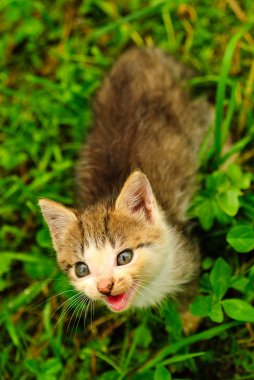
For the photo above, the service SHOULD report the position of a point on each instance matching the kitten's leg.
(190, 322)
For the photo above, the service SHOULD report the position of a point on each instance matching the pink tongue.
(117, 302)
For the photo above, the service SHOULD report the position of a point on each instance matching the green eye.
(124, 257)
(81, 269)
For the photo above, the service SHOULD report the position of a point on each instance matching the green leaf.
(105, 357)
(241, 238)
(43, 238)
(239, 283)
(216, 315)
(161, 373)
(3, 284)
(146, 337)
(43, 269)
(222, 217)
(172, 319)
(201, 306)
(234, 172)
(181, 358)
(205, 213)
(140, 333)
(23, 298)
(217, 182)
(230, 112)
(236, 148)
(51, 366)
(12, 330)
(207, 263)
(229, 201)
(33, 366)
(148, 375)
(187, 341)
(109, 375)
(220, 277)
(5, 263)
(239, 310)
(246, 181)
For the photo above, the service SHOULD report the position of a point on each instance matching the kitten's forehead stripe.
(101, 224)
(96, 224)
(82, 237)
(108, 234)
(106, 221)
(142, 245)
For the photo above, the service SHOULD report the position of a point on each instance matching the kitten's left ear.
(58, 218)
(136, 197)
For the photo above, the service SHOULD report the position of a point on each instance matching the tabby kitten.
(126, 245)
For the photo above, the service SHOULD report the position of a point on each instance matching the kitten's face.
(112, 260)
(113, 253)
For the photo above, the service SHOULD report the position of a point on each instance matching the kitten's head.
(118, 252)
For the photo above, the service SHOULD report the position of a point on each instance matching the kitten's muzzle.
(105, 287)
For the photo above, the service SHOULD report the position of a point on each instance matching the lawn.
(53, 56)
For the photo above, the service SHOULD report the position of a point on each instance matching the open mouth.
(120, 301)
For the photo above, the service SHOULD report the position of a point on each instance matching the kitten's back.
(144, 119)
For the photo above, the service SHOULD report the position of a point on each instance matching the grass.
(53, 56)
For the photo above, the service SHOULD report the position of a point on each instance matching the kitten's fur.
(135, 179)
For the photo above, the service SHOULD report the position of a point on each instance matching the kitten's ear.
(58, 218)
(137, 197)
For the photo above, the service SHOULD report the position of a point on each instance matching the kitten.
(126, 245)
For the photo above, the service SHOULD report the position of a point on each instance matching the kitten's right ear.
(136, 197)
(58, 218)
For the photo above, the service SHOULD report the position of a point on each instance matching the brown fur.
(143, 119)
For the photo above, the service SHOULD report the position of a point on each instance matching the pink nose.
(105, 287)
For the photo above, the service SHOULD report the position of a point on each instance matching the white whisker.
(63, 304)
(72, 304)
(48, 299)
(78, 300)
(80, 314)
(86, 311)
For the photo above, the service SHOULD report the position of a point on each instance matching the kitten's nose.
(105, 287)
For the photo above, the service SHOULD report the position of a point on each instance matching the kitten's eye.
(81, 270)
(124, 257)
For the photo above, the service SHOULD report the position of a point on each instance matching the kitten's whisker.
(80, 314)
(72, 303)
(140, 285)
(48, 299)
(144, 281)
(80, 298)
(86, 311)
(145, 276)
(137, 290)
(63, 304)
(73, 326)
(145, 288)
(69, 307)
(91, 314)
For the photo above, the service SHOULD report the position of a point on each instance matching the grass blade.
(168, 350)
(221, 89)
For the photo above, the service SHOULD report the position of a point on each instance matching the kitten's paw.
(190, 322)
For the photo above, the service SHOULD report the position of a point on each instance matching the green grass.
(53, 56)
